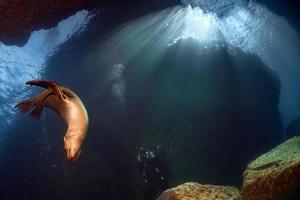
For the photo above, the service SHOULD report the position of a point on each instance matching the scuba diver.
(152, 167)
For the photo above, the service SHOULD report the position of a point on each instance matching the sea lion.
(68, 105)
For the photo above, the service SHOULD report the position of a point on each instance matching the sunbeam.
(246, 25)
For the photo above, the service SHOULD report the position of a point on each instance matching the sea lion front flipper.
(50, 85)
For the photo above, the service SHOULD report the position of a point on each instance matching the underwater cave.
(213, 83)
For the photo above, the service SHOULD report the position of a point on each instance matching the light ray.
(246, 25)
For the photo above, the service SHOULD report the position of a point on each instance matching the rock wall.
(274, 175)
(196, 191)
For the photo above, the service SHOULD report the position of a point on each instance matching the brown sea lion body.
(68, 105)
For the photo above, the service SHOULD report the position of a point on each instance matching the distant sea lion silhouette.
(68, 105)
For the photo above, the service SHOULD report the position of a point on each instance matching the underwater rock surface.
(274, 175)
(196, 191)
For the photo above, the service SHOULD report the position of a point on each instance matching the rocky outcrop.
(274, 175)
(19, 18)
(196, 191)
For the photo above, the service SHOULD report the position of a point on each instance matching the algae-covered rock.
(274, 175)
(196, 191)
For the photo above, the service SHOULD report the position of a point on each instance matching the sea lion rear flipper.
(25, 106)
(36, 113)
(50, 85)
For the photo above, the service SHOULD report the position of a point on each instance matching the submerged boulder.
(274, 175)
(196, 191)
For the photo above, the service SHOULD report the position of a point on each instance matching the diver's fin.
(36, 113)
(50, 85)
(25, 106)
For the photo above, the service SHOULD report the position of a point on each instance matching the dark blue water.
(212, 109)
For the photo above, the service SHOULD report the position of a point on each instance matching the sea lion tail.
(25, 106)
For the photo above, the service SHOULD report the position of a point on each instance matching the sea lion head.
(72, 146)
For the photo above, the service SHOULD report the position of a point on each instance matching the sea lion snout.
(72, 155)
(72, 147)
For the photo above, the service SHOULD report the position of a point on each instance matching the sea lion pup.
(68, 105)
